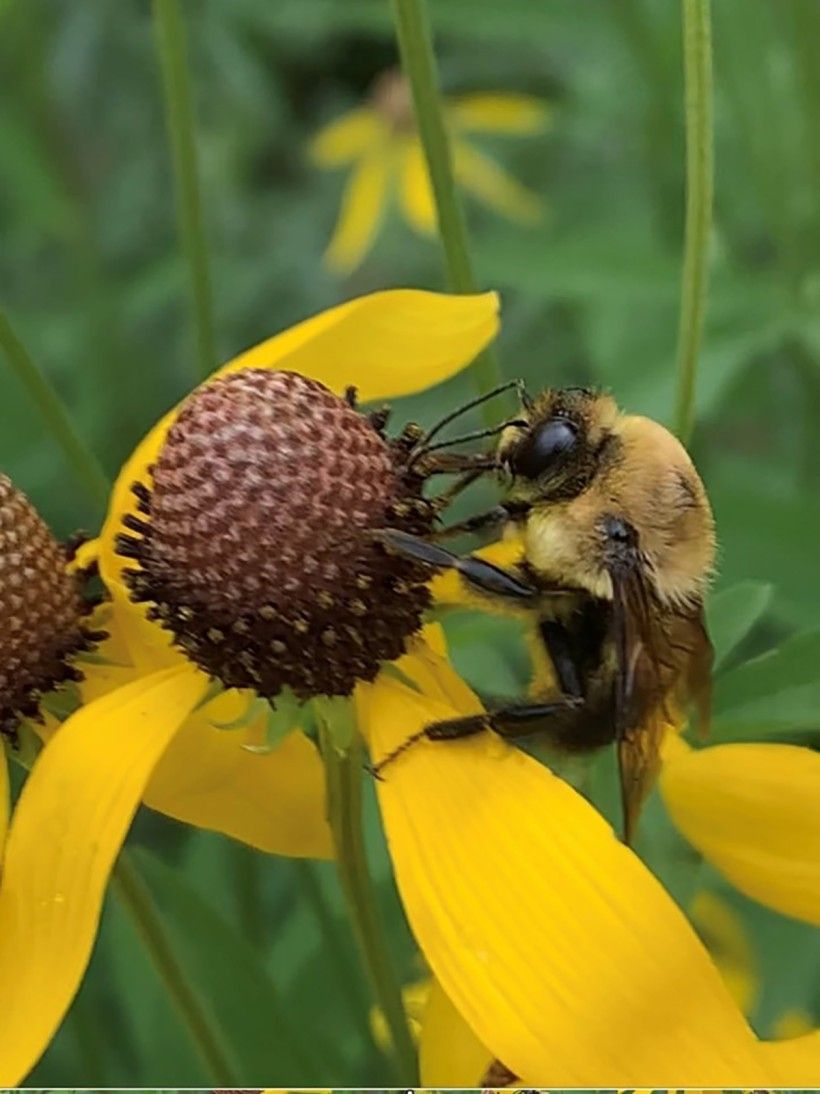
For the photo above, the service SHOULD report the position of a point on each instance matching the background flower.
(380, 146)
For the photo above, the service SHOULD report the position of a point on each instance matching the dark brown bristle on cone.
(41, 610)
(254, 545)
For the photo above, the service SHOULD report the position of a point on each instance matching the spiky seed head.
(256, 543)
(41, 610)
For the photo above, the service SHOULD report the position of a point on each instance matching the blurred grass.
(95, 285)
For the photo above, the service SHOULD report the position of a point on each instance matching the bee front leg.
(483, 575)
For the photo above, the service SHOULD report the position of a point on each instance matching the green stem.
(344, 772)
(83, 462)
(170, 31)
(419, 64)
(697, 49)
(138, 902)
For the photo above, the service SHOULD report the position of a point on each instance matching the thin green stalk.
(138, 902)
(344, 773)
(79, 457)
(697, 51)
(170, 31)
(419, 64)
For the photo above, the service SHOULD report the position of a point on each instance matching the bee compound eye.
(542, 446)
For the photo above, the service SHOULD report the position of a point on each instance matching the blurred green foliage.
(93, 277)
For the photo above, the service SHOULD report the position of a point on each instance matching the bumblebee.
(619, 545)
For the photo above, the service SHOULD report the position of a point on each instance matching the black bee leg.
(555, 638)
(516, 720)
(483, 575)
(492, 518)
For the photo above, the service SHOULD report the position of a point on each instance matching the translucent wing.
(663, 660)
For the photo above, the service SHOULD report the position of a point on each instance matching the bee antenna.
(451, 417)
(476, 435)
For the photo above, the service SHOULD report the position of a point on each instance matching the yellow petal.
(795, 1062)
(751, 810)
(494, 187)
(724, 934)
(450, 1054)
(346, 138)
(499, 112)
(363, 205)
(274, 802)
(416, 191)
(68, 827)
(86, 555)
(563, 953)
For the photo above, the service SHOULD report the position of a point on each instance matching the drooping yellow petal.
(416, 191)
(564, 954)
(346, 138)
(752, 811)
(724, 934)
(274, 802)
(67, 830)
(363, 205)
(493, 186)
(450, 1054)
(499, 112)
(795, 1062)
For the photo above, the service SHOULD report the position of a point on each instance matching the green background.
(95, 283)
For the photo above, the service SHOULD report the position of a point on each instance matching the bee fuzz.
(256, 536)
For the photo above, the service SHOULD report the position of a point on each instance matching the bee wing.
(639, 698)
(664, 661)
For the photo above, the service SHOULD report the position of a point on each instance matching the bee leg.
(555, 638)
(515, 720)
(483, 575)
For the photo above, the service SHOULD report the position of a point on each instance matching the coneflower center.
(41, 611)
(255, 543)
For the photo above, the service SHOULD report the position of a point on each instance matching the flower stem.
(344, 772)
(138, 902)
(80, 458)
(697, 52)
(419, 63)
(170, 31)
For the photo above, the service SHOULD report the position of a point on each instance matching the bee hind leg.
(515, 720)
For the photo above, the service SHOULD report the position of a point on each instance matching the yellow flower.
(558, 951)
(379, 144)
(147, 735)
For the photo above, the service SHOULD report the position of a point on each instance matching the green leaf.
(733, 612)
(229, 973)
(777, 693)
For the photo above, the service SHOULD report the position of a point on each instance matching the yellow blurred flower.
(379, 145)
(147, 730)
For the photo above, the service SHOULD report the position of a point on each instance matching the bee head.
(556, 453)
